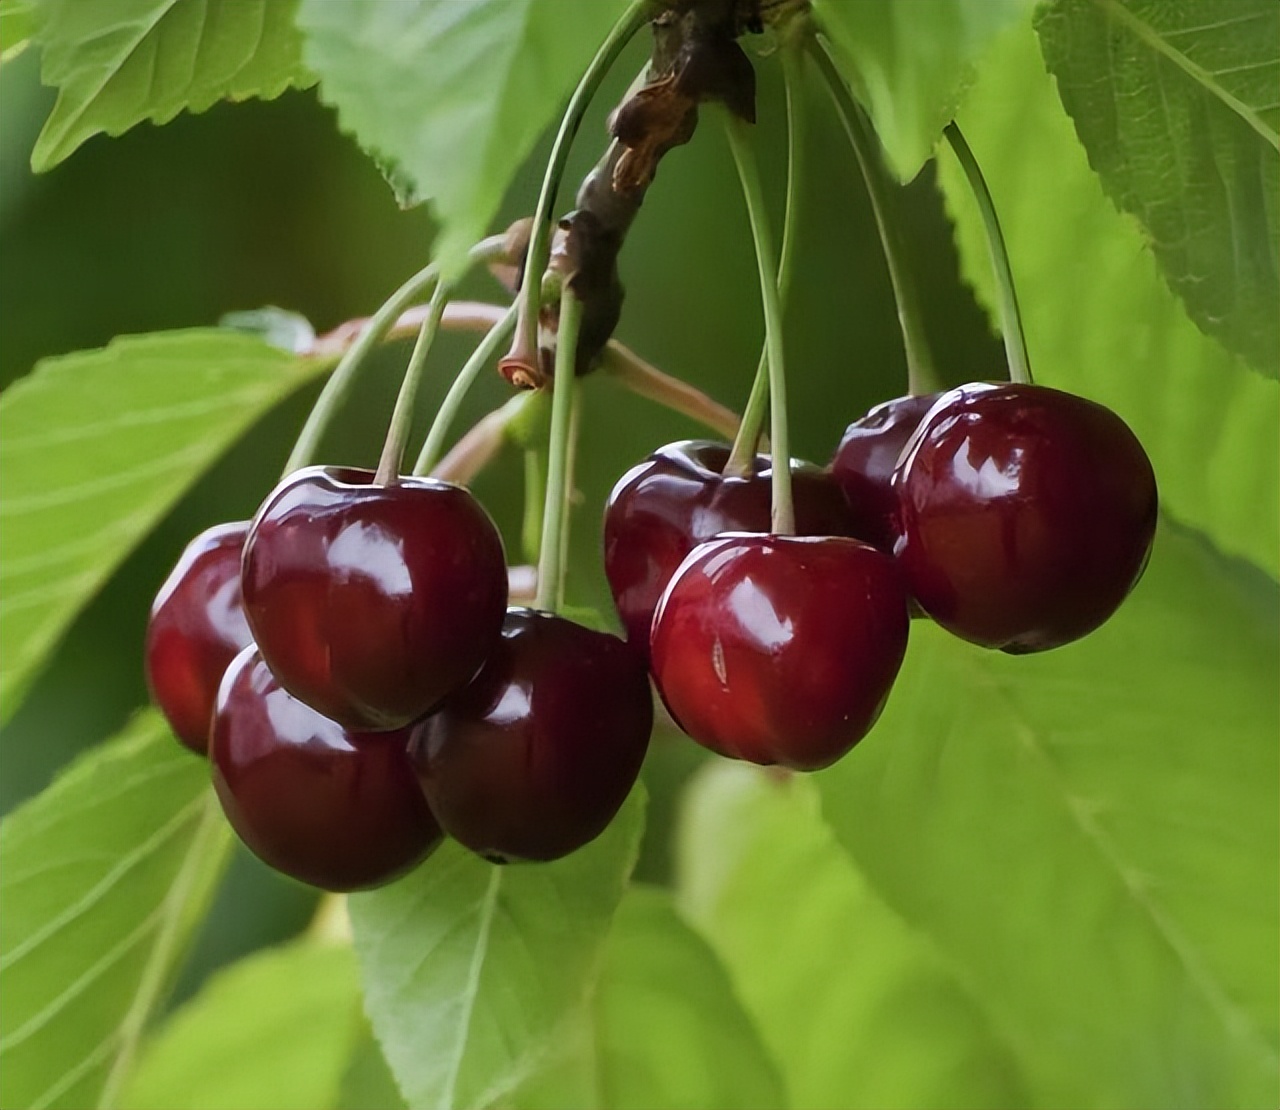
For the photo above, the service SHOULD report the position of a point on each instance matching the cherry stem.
(480, 358)
(645, 380)
(1015, 340)
(922, 377)
(559, 479)
(402, 415)
(747, 440)
(525, 347)
(338, 388)
(783, 519)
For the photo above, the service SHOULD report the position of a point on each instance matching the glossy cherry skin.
(336, 809)
(197, 626)
(665, 506)
(1027, 515)
(780, 649)
(864, 462)
(371, 603)
(534, 757)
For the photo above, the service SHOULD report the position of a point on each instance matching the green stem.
(402, 416)
(525, 348)
(570, 467)
(783, 521)
(921, 374)
(480, 357)
(747, 440)
(338, 388)
(551, 557)
(1015, 340)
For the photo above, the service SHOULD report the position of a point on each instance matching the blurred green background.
(267, 203)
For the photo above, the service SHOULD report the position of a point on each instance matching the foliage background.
(1031, 862)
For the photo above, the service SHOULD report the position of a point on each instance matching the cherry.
(197, 626)
(336, 809)
(534, 757)
(780, 649)
(864, 462)
(371, 603)
(665, 506)
(1027, 515)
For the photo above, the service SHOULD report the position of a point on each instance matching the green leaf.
(471, 969)
(116, 63)
(274, 1032)
(453, 96)
(909, 63)
(368, 1083)
(1091, 837)
(103, 879)
(663, 1027)
(96, 447)
(858, 1008)
(16, 24)
(1100, 321)
(1177, 107)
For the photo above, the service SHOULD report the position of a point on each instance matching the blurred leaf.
(909, 62)
(663, 1027)
(1091, 837)
(273, 1031)
(471, 969)
(16, 23)
(858, 1008)
(368, 1083)
(96, 447)
(1177, 107)
(116, 63)
(278, 327)
(1101, 322)
(103, 879)
(452, 96)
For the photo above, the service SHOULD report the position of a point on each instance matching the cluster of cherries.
(349, 663)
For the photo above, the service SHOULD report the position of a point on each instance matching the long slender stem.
(525, 347)
(922, 377)
(485, 350)
(551, 557)
(1015, 340)
(338, 388)
(570, 468)
(402, 414)
(747, 441)
(783, 521)
(645, 380)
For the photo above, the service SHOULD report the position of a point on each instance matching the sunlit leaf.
(95, 447)
(470, 969)
(103, 878)
(857, 1007)
(1177, 107)
(1091, 836)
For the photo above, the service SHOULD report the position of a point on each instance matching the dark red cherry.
(780, 649)
(336, 809)
(371, 603)
(197, 626)
(864, 462)
(665, 506)
(534, 757)
(1027, 515)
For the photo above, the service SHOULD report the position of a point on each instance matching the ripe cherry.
(1027, 515)
(780, 649)
(864, 462)
(336, 809)
(371, 603)
(534, 757)
(665, 506)
(197, 626)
